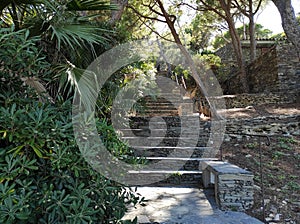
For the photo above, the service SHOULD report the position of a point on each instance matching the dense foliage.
(43, 176)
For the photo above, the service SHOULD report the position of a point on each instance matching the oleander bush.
(43, 176)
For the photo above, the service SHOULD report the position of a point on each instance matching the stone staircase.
(170, 137)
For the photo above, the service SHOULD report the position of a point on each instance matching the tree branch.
(169, 22)
(210, 8)
(152, 9)
(188, 5)
(239, 7)
(259, 4)
(157, 33)
(144, 16)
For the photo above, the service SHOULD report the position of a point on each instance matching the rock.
(271, 216)
(296, 203)
(277, 217)
(257, 188)
(143, 219)
(284, 202)
(227, 139)
(266, 201)
(268, 219)
(273, 210)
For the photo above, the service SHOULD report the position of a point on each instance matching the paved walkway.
(173, 205)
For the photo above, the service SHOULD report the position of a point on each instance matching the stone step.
(165, 178)
(168, 118)
(175, 101)
(163, 101)
(154, 114)
(164, 141)
(158, 104)
(163, 96)
(166, 123)
(171, 151)
(169, 101)
(162, 132)
(163, 93)
(167, 126)
(158, 111)
(180, 158)
(171, 163)
(160, 107)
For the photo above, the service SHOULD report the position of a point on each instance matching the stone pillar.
(233, 185)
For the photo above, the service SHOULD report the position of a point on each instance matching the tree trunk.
(290, 24)
(117, 14)
(187, 56)
(252, 33)
(236, 43)
(237, 47)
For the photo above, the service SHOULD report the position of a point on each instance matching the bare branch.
(215, 10)
(169, 22)
(157, 33)
(188, 5)
(144, 16)
(152, 9)
(258, 6)
(239, 7)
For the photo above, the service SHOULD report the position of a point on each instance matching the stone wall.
(227, 54)
(277, 69)
(288, 68)
(271, 125)
(263, 73)
(244, 100)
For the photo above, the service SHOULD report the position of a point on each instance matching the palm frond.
(82, 82)
(5, 3)
(74, 35)
(85, 5)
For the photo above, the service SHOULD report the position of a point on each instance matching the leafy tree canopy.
(243, 31)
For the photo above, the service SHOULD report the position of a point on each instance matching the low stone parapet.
(233, 185)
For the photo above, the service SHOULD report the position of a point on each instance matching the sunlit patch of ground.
(264, 110)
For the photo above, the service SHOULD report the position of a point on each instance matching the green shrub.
(20, 59)
(43, 177)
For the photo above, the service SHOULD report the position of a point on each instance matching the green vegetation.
(253, 145)
(45, 47)
(43, 176)
(243, 32)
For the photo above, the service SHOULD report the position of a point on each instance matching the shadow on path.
(182, 205)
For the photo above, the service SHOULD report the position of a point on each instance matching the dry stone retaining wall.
(271, 125)
(244, 100)
(276, 70)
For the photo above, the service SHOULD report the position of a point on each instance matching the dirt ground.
(262, 110)
(277, 187)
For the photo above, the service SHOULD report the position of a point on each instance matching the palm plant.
(69, 32)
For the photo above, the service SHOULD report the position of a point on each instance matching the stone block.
(233, 185)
